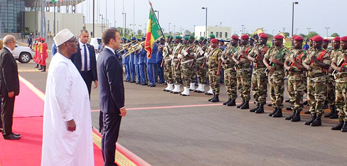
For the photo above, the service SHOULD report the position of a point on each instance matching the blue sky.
(272, 15)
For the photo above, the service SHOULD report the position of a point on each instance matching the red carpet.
(28, 104)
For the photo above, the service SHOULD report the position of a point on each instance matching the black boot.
(344, 127)
(246, 105)
(313, 117)
(317, 121)
(227, 101)
(273, 112)
(333, 113)
(289, 108)
(260, 109)
(287, 101)
(254, 109)
(231, 103)
(270, 105)
(278, 113)
(290, 117)
(37, 66)
(296, 117)
(212, 97)
(44, 69)
(305, 103)
(307, 112)
(216, 99)
(243, 102)
(40, 68)
(339, 126)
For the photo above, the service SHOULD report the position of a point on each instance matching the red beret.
(235, 37)
(336, 38)
(326, 40)
(317, 38)
(279, 37)
(298, 38)
(311, 39)
(294, 37)
(244, 37)
(344, 38)
(214, 40)
(42, 39)
(263, 35)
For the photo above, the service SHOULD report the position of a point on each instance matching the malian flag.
(154, 32)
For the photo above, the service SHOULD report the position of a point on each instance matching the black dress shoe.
(18, 135)
(12, 137)
(0, 129)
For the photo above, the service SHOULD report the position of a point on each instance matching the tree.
(187, 32)
(334, 35)
(139, 32)
(303, 35)
(287, 34)
(311, 34)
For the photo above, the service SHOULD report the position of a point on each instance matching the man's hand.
(218, 73)
(270, 68)
(71, 125)
(273, 60)
(96, 83)
(123, 111)
(10, 94)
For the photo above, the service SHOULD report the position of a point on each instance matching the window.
(226, 34)
(220, 34)
(216, 34)
(200, 33)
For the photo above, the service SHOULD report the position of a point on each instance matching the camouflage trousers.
(316, 94)
(201, 73)
(296, 89)
(331, 90)
(187, 74)
(276, 83)
(230, 82)
(259, 85)
(176, 73)
(341, 98)
(214, 80)
(244, 83)
(168, 71)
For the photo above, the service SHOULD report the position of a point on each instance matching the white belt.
(201, 58)
(187, 61)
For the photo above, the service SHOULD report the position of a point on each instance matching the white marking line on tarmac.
(33, 88)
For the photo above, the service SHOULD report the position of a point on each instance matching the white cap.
(62, 36)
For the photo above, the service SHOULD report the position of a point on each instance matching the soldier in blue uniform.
(151, 66)
(137, 63)
(159, 59)
(125, 62)
(142, 65)
(131, 62)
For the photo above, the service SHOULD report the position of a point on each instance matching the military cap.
(326, 40)
(212, 36)
(133, 38)
(191, 37)
(202, 38)
(143, 38)
(317, 38)
(196, 41)
(278, 37)
(298, 38)
(162, 39)
(244, 37)
(263, 35)
(221, 40)
(336, 38)
(178, 37)
(170, 37)
(235, 37)
(214, 40)
(344, 38)
(186, 37)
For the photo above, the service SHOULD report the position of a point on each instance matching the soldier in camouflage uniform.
(296, 82)
(274, 61)
(167, 51)
(317, 63)
(214, 66)
(186, 57)
(230, 79)
(201, 72)
(259, 78)
(194, 43)
(339, 64)
(176, 72)
(243, 71)
(331, 81)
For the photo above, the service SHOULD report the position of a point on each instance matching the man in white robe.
(67, 126)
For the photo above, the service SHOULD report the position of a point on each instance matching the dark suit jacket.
(77, 60)
(9, 81)
(110, 77)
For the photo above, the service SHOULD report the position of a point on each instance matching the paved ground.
(199, 133)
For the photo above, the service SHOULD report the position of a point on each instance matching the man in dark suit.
(85, 60)
(9, 86)
(111, 93)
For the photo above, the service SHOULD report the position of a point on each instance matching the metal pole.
(293, 18)
(206, 22)
(54, 20)
(93, 18)
(169, 28)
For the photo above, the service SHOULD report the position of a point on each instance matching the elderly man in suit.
(9, 86)
(111, 93)
(85, 61)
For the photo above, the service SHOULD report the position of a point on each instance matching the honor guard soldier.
(176, 72)
(186, 59)
(274, 62)
(201, 72)
(259, 78)
(243, 71)
(230, 79)
(167, 51)
(214, 66)
(296, 75)
(317, 63)
(339, 64)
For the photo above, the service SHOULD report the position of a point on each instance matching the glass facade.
(12, 15)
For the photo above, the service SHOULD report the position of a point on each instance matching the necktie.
(85, 59)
